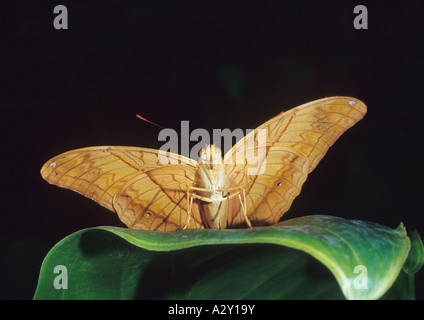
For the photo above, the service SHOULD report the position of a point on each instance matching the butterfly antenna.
(147, 120)
(160, 126)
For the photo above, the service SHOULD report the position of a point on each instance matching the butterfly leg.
(243, 205)
(189, 206)
(240, 193)
(190, 198)
(242, 201)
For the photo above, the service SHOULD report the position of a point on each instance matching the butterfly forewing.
(100, 173)
(304, 134)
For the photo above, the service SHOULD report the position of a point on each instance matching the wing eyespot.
(279, 184)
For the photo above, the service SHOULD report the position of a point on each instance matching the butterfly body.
(229, 191)
(214, 190)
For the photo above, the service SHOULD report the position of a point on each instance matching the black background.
(219, 64)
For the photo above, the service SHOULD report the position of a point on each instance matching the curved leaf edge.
(415, 260)
(148, 240)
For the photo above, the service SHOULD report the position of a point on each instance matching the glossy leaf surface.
(362, 260)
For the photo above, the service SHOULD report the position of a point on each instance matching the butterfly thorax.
(211, 173)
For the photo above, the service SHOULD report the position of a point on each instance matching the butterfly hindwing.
(157, 200)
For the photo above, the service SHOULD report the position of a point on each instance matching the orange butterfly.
(216, 192)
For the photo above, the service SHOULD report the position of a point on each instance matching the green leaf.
(415, 259)
(413, 264)
(282, 261)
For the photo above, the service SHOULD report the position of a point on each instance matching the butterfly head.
(210, 155)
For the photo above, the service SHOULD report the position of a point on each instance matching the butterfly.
(216, 192)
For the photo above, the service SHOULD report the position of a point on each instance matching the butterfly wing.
(157, 200)
(101, 173)
(285, 149)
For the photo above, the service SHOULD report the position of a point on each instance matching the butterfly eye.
(279, 184)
